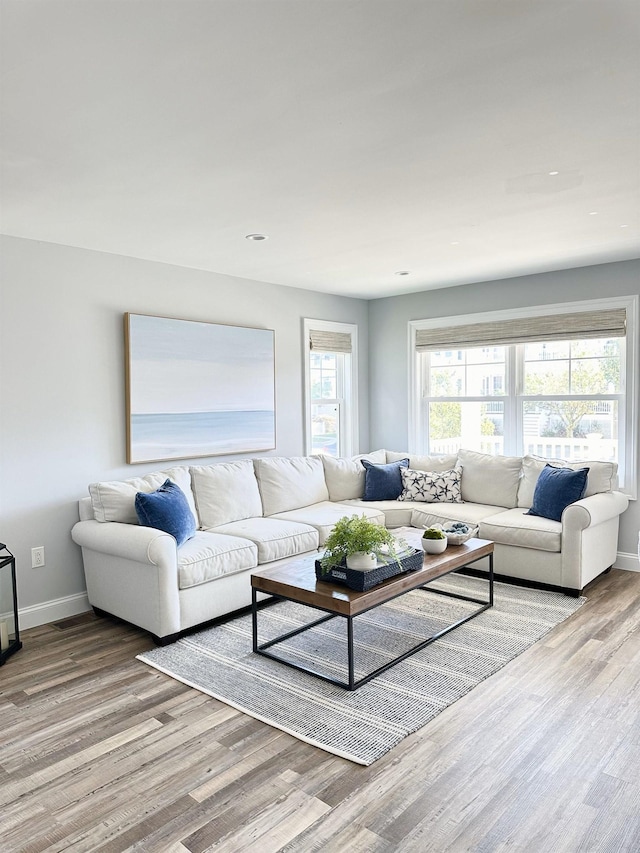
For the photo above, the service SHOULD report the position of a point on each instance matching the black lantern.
(9, 631)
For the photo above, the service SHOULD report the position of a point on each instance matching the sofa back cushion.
(226, 492)
(85, 510)
(491, 480)
(377, 456)
(425, 463)
(345, 477)
(115, 500)
(291, 482)
(602, 477)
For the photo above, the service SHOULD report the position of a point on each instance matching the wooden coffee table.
(297, 582)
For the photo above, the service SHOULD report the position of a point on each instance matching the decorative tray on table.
(364, 579)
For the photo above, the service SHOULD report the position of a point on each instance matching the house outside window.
(563, 398)
(462, 407)
(330, 388)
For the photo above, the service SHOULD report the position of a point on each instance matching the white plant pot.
(362, 560)
(434, 546)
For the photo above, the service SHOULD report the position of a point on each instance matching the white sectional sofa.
(273, 510)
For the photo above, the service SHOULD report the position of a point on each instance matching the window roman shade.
(553, 327)
(329, 341)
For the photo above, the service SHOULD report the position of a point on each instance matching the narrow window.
(330, 387)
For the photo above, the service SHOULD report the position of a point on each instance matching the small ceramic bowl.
(434, 546)
(456, 536)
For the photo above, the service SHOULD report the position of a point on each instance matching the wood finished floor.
(100, 752)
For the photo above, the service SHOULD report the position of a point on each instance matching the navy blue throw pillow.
(166, 509)
(556, 489)
(383, 482)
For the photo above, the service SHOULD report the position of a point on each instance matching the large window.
(330, 388)
(567, 397)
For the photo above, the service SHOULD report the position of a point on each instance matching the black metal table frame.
(352, 683)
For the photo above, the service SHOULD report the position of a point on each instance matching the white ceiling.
(364, 137)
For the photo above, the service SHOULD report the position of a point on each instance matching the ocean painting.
(197, 389)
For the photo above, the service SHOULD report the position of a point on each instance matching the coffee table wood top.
(297, 581)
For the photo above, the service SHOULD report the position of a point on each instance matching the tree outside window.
(581, 369)
(474, 378)
(569, 406)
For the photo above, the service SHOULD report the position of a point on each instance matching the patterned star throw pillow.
(430, 486)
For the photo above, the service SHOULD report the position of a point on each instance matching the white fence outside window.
(548, 448)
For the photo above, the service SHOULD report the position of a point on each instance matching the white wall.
(62, 420)
(388, 333)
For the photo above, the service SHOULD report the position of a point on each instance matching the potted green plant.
(357, 541)
(434, 540)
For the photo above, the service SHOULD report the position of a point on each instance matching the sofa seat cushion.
(469, 513)
(208, 556)
(396, 513)
(323, 516)
(274, 537)
(514, 527)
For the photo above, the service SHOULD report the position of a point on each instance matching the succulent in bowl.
(434, 533)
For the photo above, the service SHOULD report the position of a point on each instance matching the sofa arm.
(590, 537)
(131, 541)
(132, 572)
(593, 510)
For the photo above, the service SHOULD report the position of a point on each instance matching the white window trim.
(632, 369)
(349, 423)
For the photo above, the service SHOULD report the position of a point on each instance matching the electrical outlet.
(37, 557)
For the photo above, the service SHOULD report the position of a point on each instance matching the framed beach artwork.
(197, 389)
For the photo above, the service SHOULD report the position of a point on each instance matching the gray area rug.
(364, 724)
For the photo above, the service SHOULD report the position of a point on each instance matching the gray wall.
(62, 379)
(62, 419)
(388, 333)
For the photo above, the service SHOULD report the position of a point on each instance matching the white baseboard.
(628, 562)
(52, 611)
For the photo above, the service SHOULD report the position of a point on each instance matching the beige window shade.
(330, 341)
(586, 324)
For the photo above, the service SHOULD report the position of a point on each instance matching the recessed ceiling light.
(593, 213)
(403, 272)
(554, 173)
(624, 226)
(455, 242)
(257, 237)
